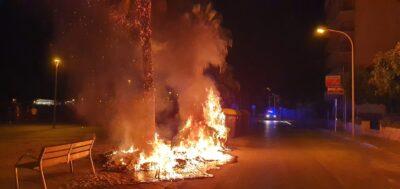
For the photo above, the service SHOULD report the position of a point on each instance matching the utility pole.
(336, 103)
(344, 102)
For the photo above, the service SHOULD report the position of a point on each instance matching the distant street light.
(322, 31)
(56, 62)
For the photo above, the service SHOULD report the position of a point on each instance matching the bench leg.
(43, 180)
(71, 166)
(91, 161)
(16, 178)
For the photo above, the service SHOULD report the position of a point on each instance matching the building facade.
(373, 24)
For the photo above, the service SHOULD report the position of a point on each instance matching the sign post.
(334, 88)
(335, 114)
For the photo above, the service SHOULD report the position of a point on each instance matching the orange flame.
(197, 152)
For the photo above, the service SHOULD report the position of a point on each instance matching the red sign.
(333, 85)
(333, 81)
(335, 91)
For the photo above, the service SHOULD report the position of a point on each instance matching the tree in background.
(365, 90)
(385, 77)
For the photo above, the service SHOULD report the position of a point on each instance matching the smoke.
(184, 46)
(104, 63)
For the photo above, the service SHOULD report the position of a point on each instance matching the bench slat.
(79, 155)
(57, 148)
(80, 149)
(54, 161)
(83, 143)
(49, 155)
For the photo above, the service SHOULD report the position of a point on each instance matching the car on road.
(271, 114)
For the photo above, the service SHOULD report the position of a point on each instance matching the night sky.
(26, 32)
(273, 46)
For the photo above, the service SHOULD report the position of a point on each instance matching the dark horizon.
(273, 46)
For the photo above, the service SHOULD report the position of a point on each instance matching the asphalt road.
(276, 156)
(280, 156)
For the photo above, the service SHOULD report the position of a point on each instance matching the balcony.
(348, 4)
(345, 20)
(334, 9)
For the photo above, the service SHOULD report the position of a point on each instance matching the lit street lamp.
(322, 31)
(56, 62)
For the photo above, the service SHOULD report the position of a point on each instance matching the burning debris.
(199, 147)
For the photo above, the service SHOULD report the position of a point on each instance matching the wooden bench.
(56, 155)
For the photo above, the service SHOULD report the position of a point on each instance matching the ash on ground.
(114, 173)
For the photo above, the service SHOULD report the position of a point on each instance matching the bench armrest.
(28, 155)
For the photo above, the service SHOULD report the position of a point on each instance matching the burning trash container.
(231, 120)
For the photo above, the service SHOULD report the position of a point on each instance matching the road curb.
(351, 139)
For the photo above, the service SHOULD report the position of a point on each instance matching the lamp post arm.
(345, 34)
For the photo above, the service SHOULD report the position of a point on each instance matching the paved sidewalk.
(382, 144)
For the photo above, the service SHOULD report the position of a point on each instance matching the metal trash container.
(231, 121)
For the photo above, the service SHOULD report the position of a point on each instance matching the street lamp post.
(321, 31)
(57, 62)
(269, 96)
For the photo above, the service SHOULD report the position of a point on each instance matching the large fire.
(199, 147)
